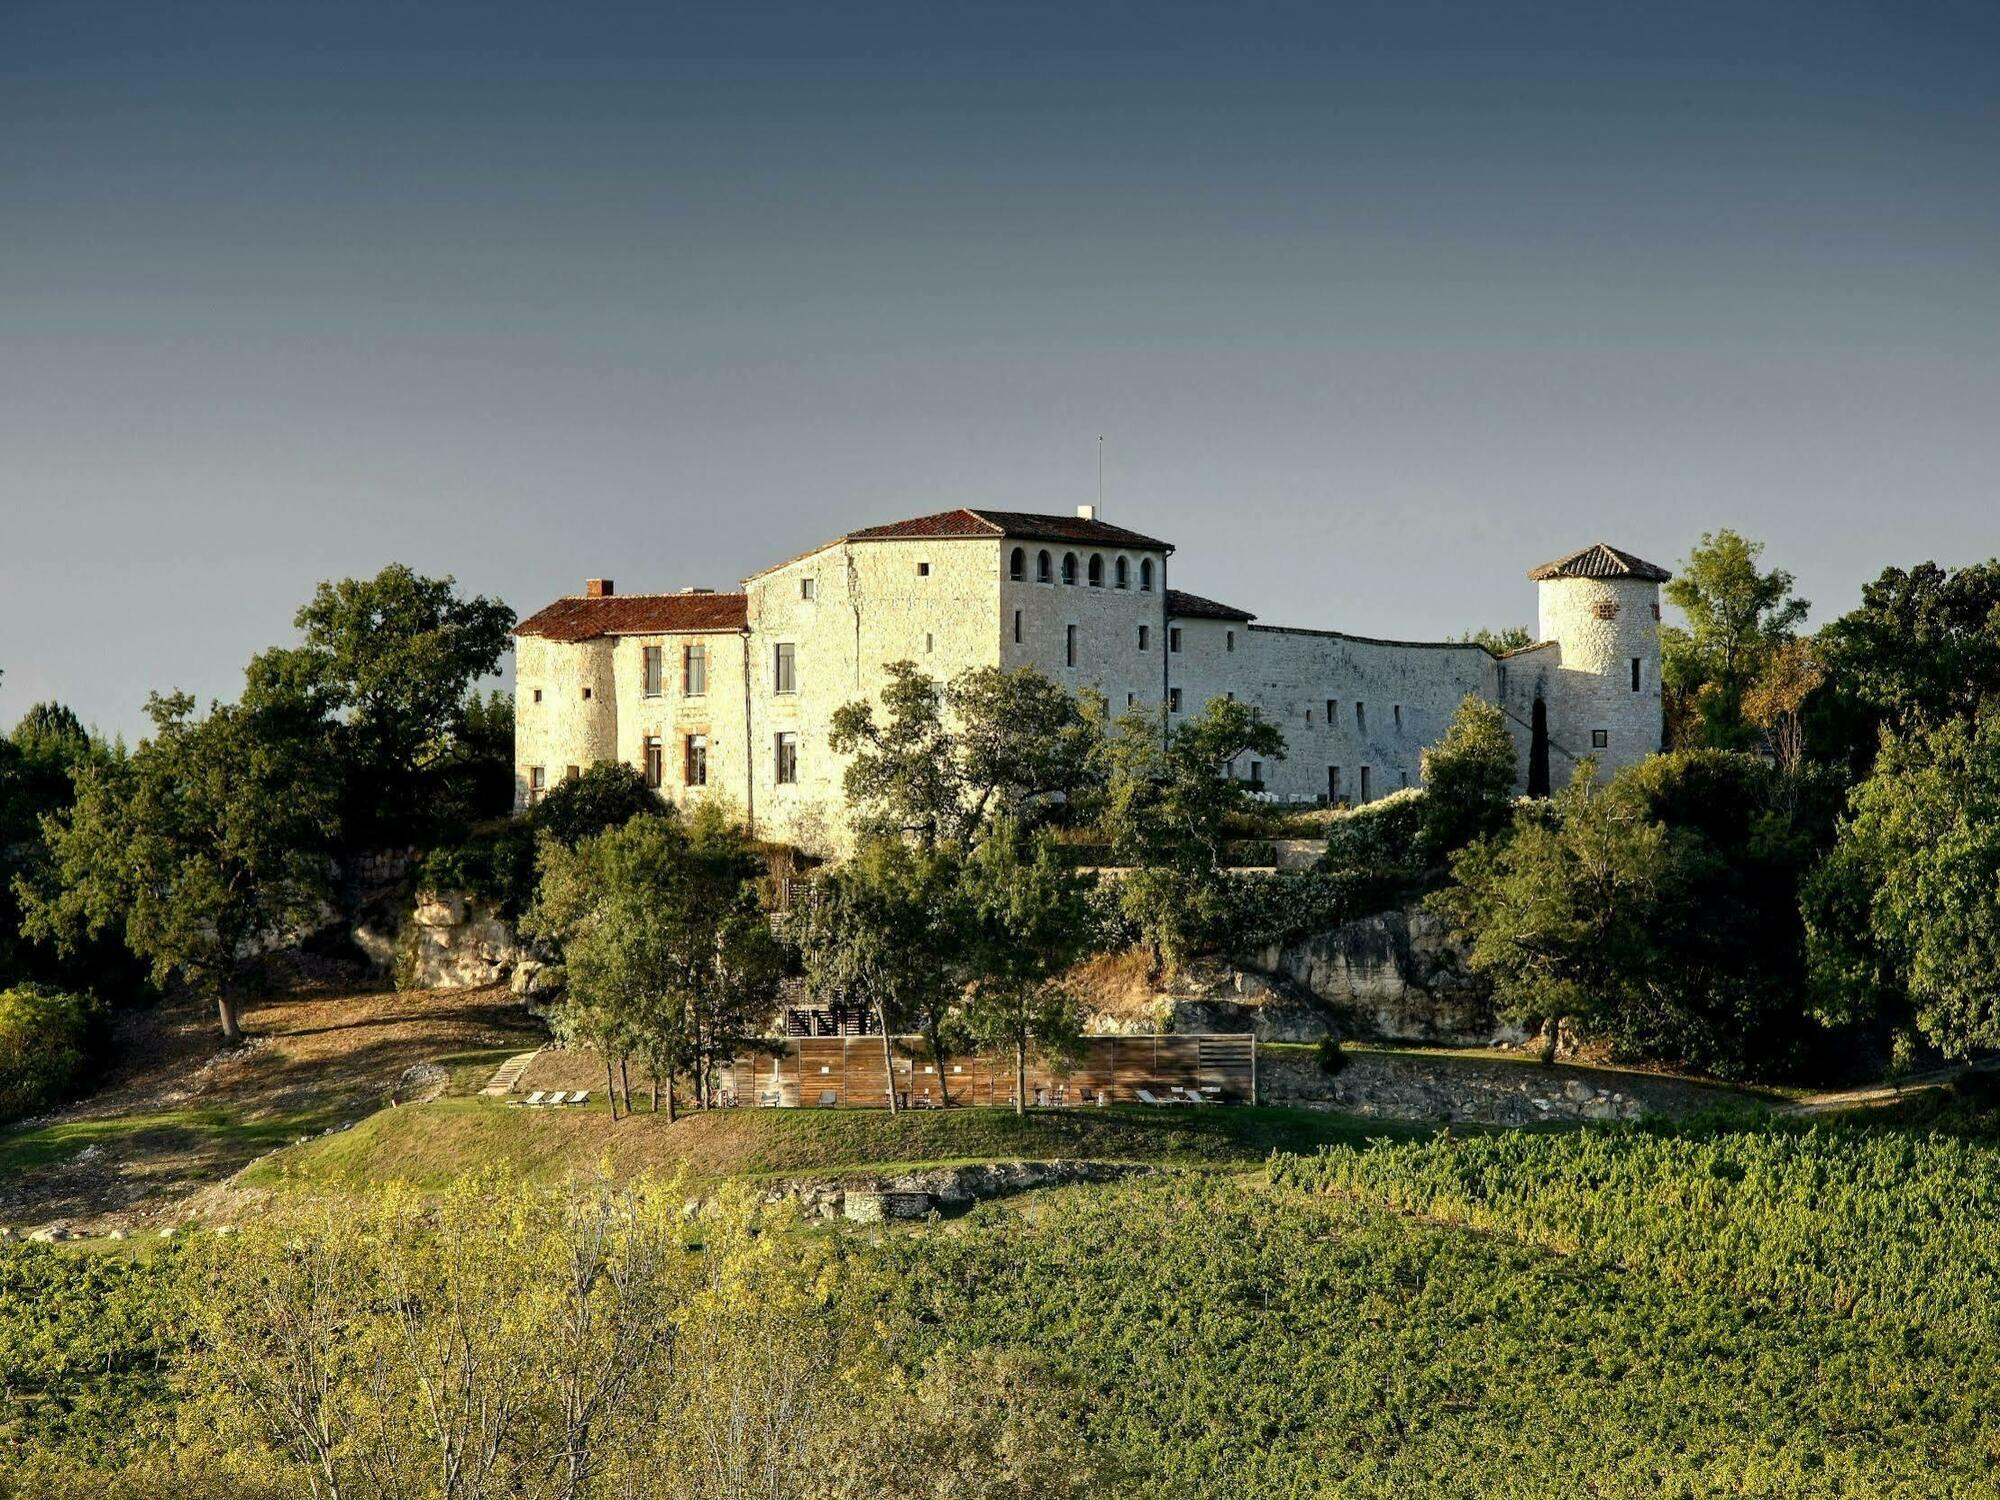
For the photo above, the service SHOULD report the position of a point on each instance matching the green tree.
(883, 934)
(206, 846)
(1468, 780)
(393, 658)
(38, 763)
(1166, 797)
(1500, 642)
(1556, 912)
(1922, 647)
(1909, 902)
(665, 952)
(1027, 926)
(1736, 615)
(1659, 912)
(941, 760)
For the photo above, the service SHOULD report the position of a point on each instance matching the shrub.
(1378, 838)
(47, 1038)
(1330, 1055)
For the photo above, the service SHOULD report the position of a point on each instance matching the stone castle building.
(732, 695)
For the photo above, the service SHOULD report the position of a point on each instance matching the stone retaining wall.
(1476, 1090)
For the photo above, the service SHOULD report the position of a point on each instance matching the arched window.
(1017, 565)
(1145, 575)
(1096, 571)
(1122, 571)
(1042, 574)
(1069, 568)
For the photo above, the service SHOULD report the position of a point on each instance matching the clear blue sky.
(1375, 305)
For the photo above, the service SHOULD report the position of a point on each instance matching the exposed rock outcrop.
(1396, 975)
(1393, 976)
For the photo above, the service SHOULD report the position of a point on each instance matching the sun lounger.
(536, 1097)
(1147, 1096)
(581, 1096)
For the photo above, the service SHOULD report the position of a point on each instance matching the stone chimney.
(1086, 513)
(598, 588)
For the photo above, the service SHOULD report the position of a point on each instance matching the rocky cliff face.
(1395, 976)
(447, 941)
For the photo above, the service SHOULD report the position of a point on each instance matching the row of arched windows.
(1045, 570)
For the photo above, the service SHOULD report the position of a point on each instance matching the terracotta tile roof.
(1181, 605)
(1599, 561)
(1026, 525)
(581, 619)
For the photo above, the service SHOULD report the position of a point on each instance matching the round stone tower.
(1601, 606)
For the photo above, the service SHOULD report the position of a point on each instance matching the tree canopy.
(1737, 614)
(202, 848)
(943, 759)
(393, 659)
(1905, 917)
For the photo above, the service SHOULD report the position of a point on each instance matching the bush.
(47, 1038)
(1377, 839)
(1330, 1055)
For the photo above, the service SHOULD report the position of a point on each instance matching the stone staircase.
(508, 1075)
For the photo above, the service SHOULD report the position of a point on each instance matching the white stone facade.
(1082, 601)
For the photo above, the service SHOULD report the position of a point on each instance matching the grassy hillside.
(428, 1144)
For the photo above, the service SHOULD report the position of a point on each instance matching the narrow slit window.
(1069, 645)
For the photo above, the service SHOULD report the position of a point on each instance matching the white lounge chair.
(581, 1096)
(1147, 1096)
(535, 1098)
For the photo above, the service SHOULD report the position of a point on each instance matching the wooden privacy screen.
(848, 1070)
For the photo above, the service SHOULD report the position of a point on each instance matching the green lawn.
(428, 1144)
(202, 1133)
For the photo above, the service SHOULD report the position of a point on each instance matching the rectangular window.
(808, 587)
(923, 570)
(1256, 776)
(571, 773)
(1396, 712)
(1635, 674)
(788, 758)
(1600, 739)
(655, 761)
(1229, 640)
(695, 760)
(1364, 784)
(1173, 638)
(694, 670)
(1403, 780)
(1309, 718)
(1329, 713)
(538, 695)
(1131, 700)
(1333, 783)
(929, 643)
(586, 695)
(538, 783)
(1069, 645)
(1173, 700)
(1143, 637)
(1361, 719)
(784, 668)
(1017, 627)
(651, 657)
